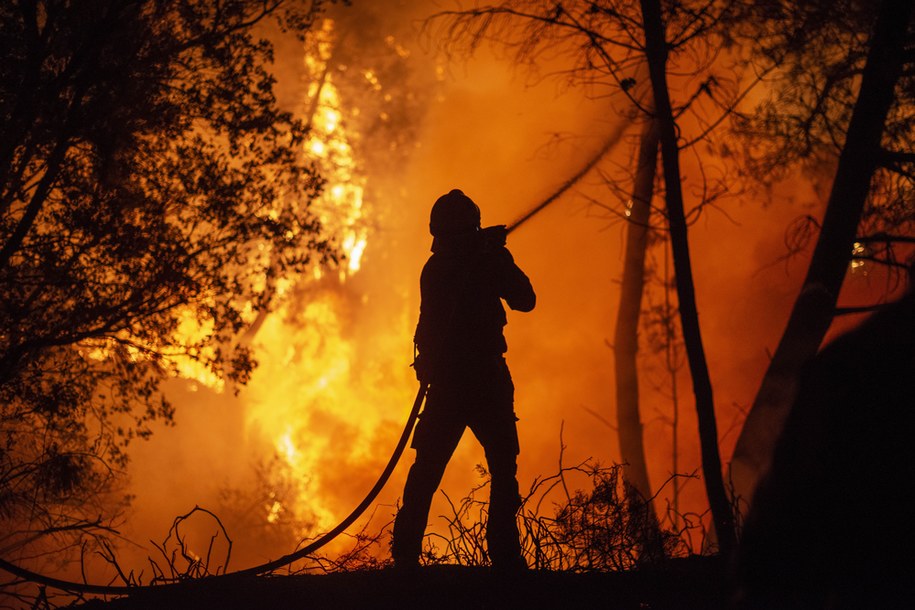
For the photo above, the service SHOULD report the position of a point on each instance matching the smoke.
(324, 409)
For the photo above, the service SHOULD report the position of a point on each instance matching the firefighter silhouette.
(460, 355)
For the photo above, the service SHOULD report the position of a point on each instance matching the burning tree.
(146, 171)
(332, 374)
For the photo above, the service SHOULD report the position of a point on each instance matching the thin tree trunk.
(814, 308)
(656, 52)
(626, 345)
(671, 360)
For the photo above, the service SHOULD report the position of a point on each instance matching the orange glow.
(307, 387)
(333, 386)
(329, 395)
(307, 395)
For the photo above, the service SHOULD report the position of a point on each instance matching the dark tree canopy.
(816, 52)
(148, 181)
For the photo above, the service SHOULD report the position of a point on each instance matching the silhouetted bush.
(590, 529)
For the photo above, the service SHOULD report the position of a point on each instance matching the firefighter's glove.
(495, 235)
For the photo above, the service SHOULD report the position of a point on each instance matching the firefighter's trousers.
(482, 400)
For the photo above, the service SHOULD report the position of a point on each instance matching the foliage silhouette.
(147, 177)
(594, 529)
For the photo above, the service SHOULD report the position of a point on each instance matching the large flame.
(327, 400)
(317, 395)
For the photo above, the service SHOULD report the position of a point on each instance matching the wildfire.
(341, 207)
(321, 401)
(321, 412)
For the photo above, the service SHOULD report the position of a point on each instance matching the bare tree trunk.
(814, 308)
(673, 363)
(626, 345)
(656, 52)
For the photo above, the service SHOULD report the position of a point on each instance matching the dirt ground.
(681, 584)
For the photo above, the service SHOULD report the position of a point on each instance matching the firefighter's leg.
(502, 536)
(434, 440)
(499, 436)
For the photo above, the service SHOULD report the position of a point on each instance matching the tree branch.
(885, 238)
(892, 159)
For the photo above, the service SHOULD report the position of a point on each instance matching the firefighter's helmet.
(454, 213)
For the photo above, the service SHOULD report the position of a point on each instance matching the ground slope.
(681, 584)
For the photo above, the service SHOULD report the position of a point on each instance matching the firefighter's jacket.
(461, 314)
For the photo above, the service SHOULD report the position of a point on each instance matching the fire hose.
(255, 570)
(270, 566)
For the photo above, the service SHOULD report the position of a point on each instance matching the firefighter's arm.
(515, 287)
